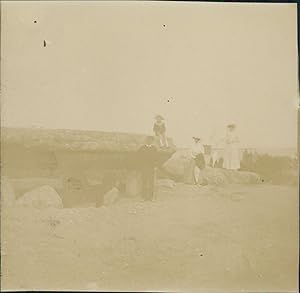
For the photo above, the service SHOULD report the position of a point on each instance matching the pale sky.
(111, 66)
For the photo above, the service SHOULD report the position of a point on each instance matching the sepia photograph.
(149, 146)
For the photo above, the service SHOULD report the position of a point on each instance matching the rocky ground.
(229, 238)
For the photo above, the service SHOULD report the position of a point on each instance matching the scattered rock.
(41, 197)
(7, 192)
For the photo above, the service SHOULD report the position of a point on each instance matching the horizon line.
(179, 146)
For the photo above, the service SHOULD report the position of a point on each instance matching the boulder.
(111, 197)
(218, 176)
(176, 166)
(7, 192)
(215, 176)
(180, 168)
(166, 183)
(248, 177)
(41, 197)
(22, 185)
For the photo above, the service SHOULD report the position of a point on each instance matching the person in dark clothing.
(159, 129)
(147, 162)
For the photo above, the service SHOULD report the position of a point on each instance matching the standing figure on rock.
(147, 163)
(159, 129)
(231, 151)
(197, 153)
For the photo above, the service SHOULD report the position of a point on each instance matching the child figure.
(159, 129)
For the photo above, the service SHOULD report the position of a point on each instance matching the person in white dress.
(197, 154)
(231, 150)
